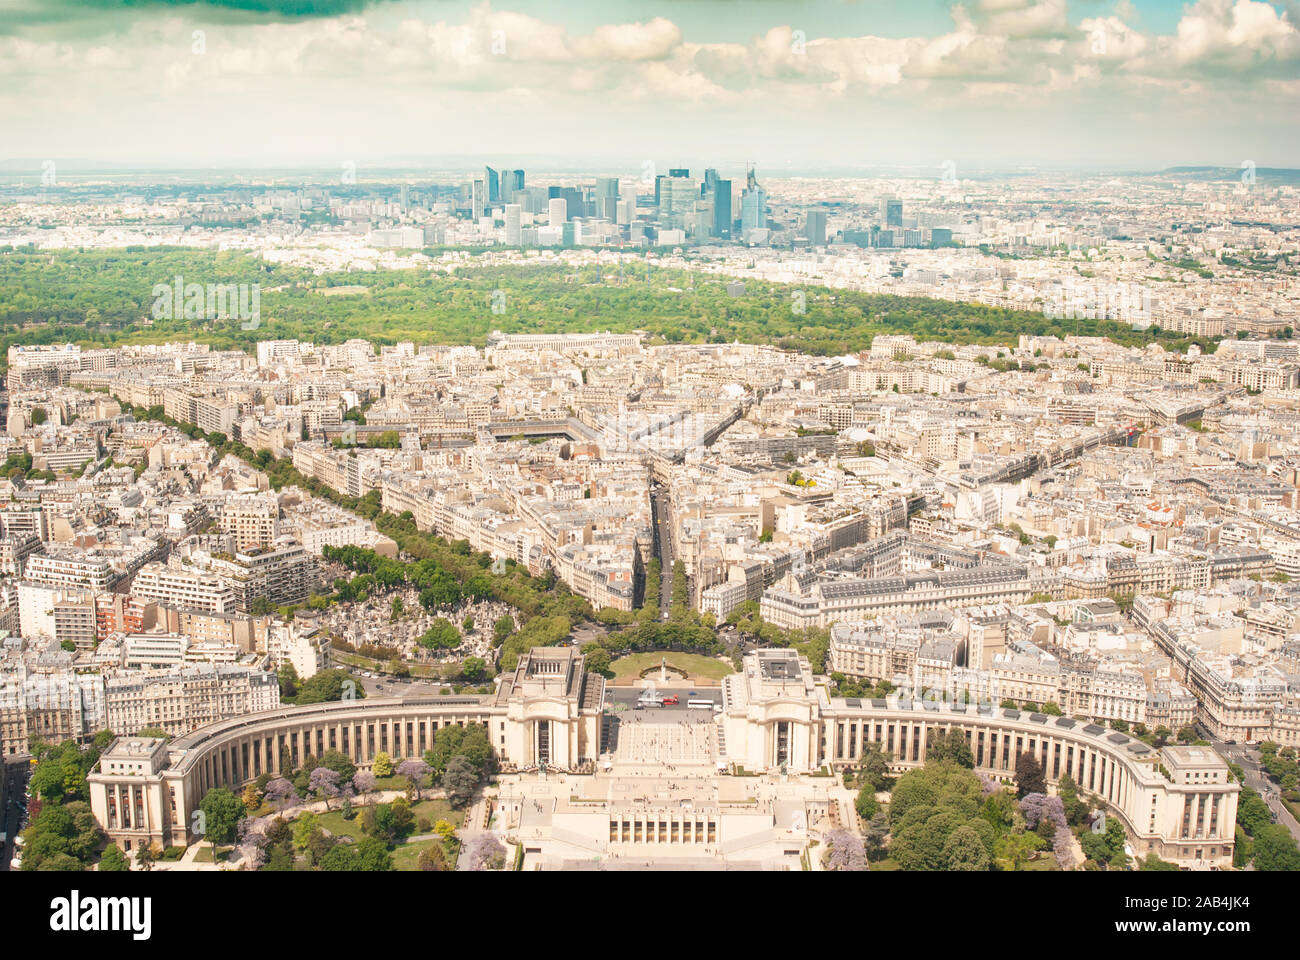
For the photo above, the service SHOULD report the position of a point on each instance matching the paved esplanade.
(686, 740)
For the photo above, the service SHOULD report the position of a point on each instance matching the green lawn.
(205, 853)
(885, 865)
(335, 824)
(693, 665)
(438, 809)
(435, 809)
(1045, 861)
(406, 857)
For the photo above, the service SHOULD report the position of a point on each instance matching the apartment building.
(192, 589)
(282, 574)
(81, 570)
(251, 520)
(179, 700)
(50, 706)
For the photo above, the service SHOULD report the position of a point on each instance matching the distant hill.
(1262, 174)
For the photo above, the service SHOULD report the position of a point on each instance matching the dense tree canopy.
(99, 298)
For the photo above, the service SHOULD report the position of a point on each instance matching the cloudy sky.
(821, 83)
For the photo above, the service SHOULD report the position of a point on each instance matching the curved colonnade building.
(1178, 802)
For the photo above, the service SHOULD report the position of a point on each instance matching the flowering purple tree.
(363, 781)
(251, 841)
(1039, 806)
(988, 785)
(414, 770)
(280, 793)
(844, 851)
(325, 783)
(485, 852)
(1063, 848)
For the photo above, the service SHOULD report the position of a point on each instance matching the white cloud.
(1021, 54)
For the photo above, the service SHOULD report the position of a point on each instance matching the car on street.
(670, 700)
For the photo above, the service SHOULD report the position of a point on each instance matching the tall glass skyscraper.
(753, 205)
(677, 196)
(815, 227)
(512, 182)
(606, 199)
(718, 192)
(891, 212)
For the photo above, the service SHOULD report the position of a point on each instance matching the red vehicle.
(669, 700)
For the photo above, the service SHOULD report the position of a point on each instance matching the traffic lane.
(631, 694)
(15, 808)
(1247, 757)
(375, 687)
(627, 700)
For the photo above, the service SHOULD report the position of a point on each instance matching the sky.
(803, 85)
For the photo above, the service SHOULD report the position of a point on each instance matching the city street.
(660, 508)
(1248, 758)
(626, 698)
(15, 778)
(393, 687)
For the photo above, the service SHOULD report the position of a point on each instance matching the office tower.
(575, 203)
(700, 226)
(406, 197)
(815, 227)
(891, 212)
(753, 205)
(493, 181)
(512, 183)
(673, 174)
(477, 202)
(722, 209)
(718, 193)
(940, 237)
(677, 196)
(558, 212)
(532, 199)
(606, 197)
(514, 236)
